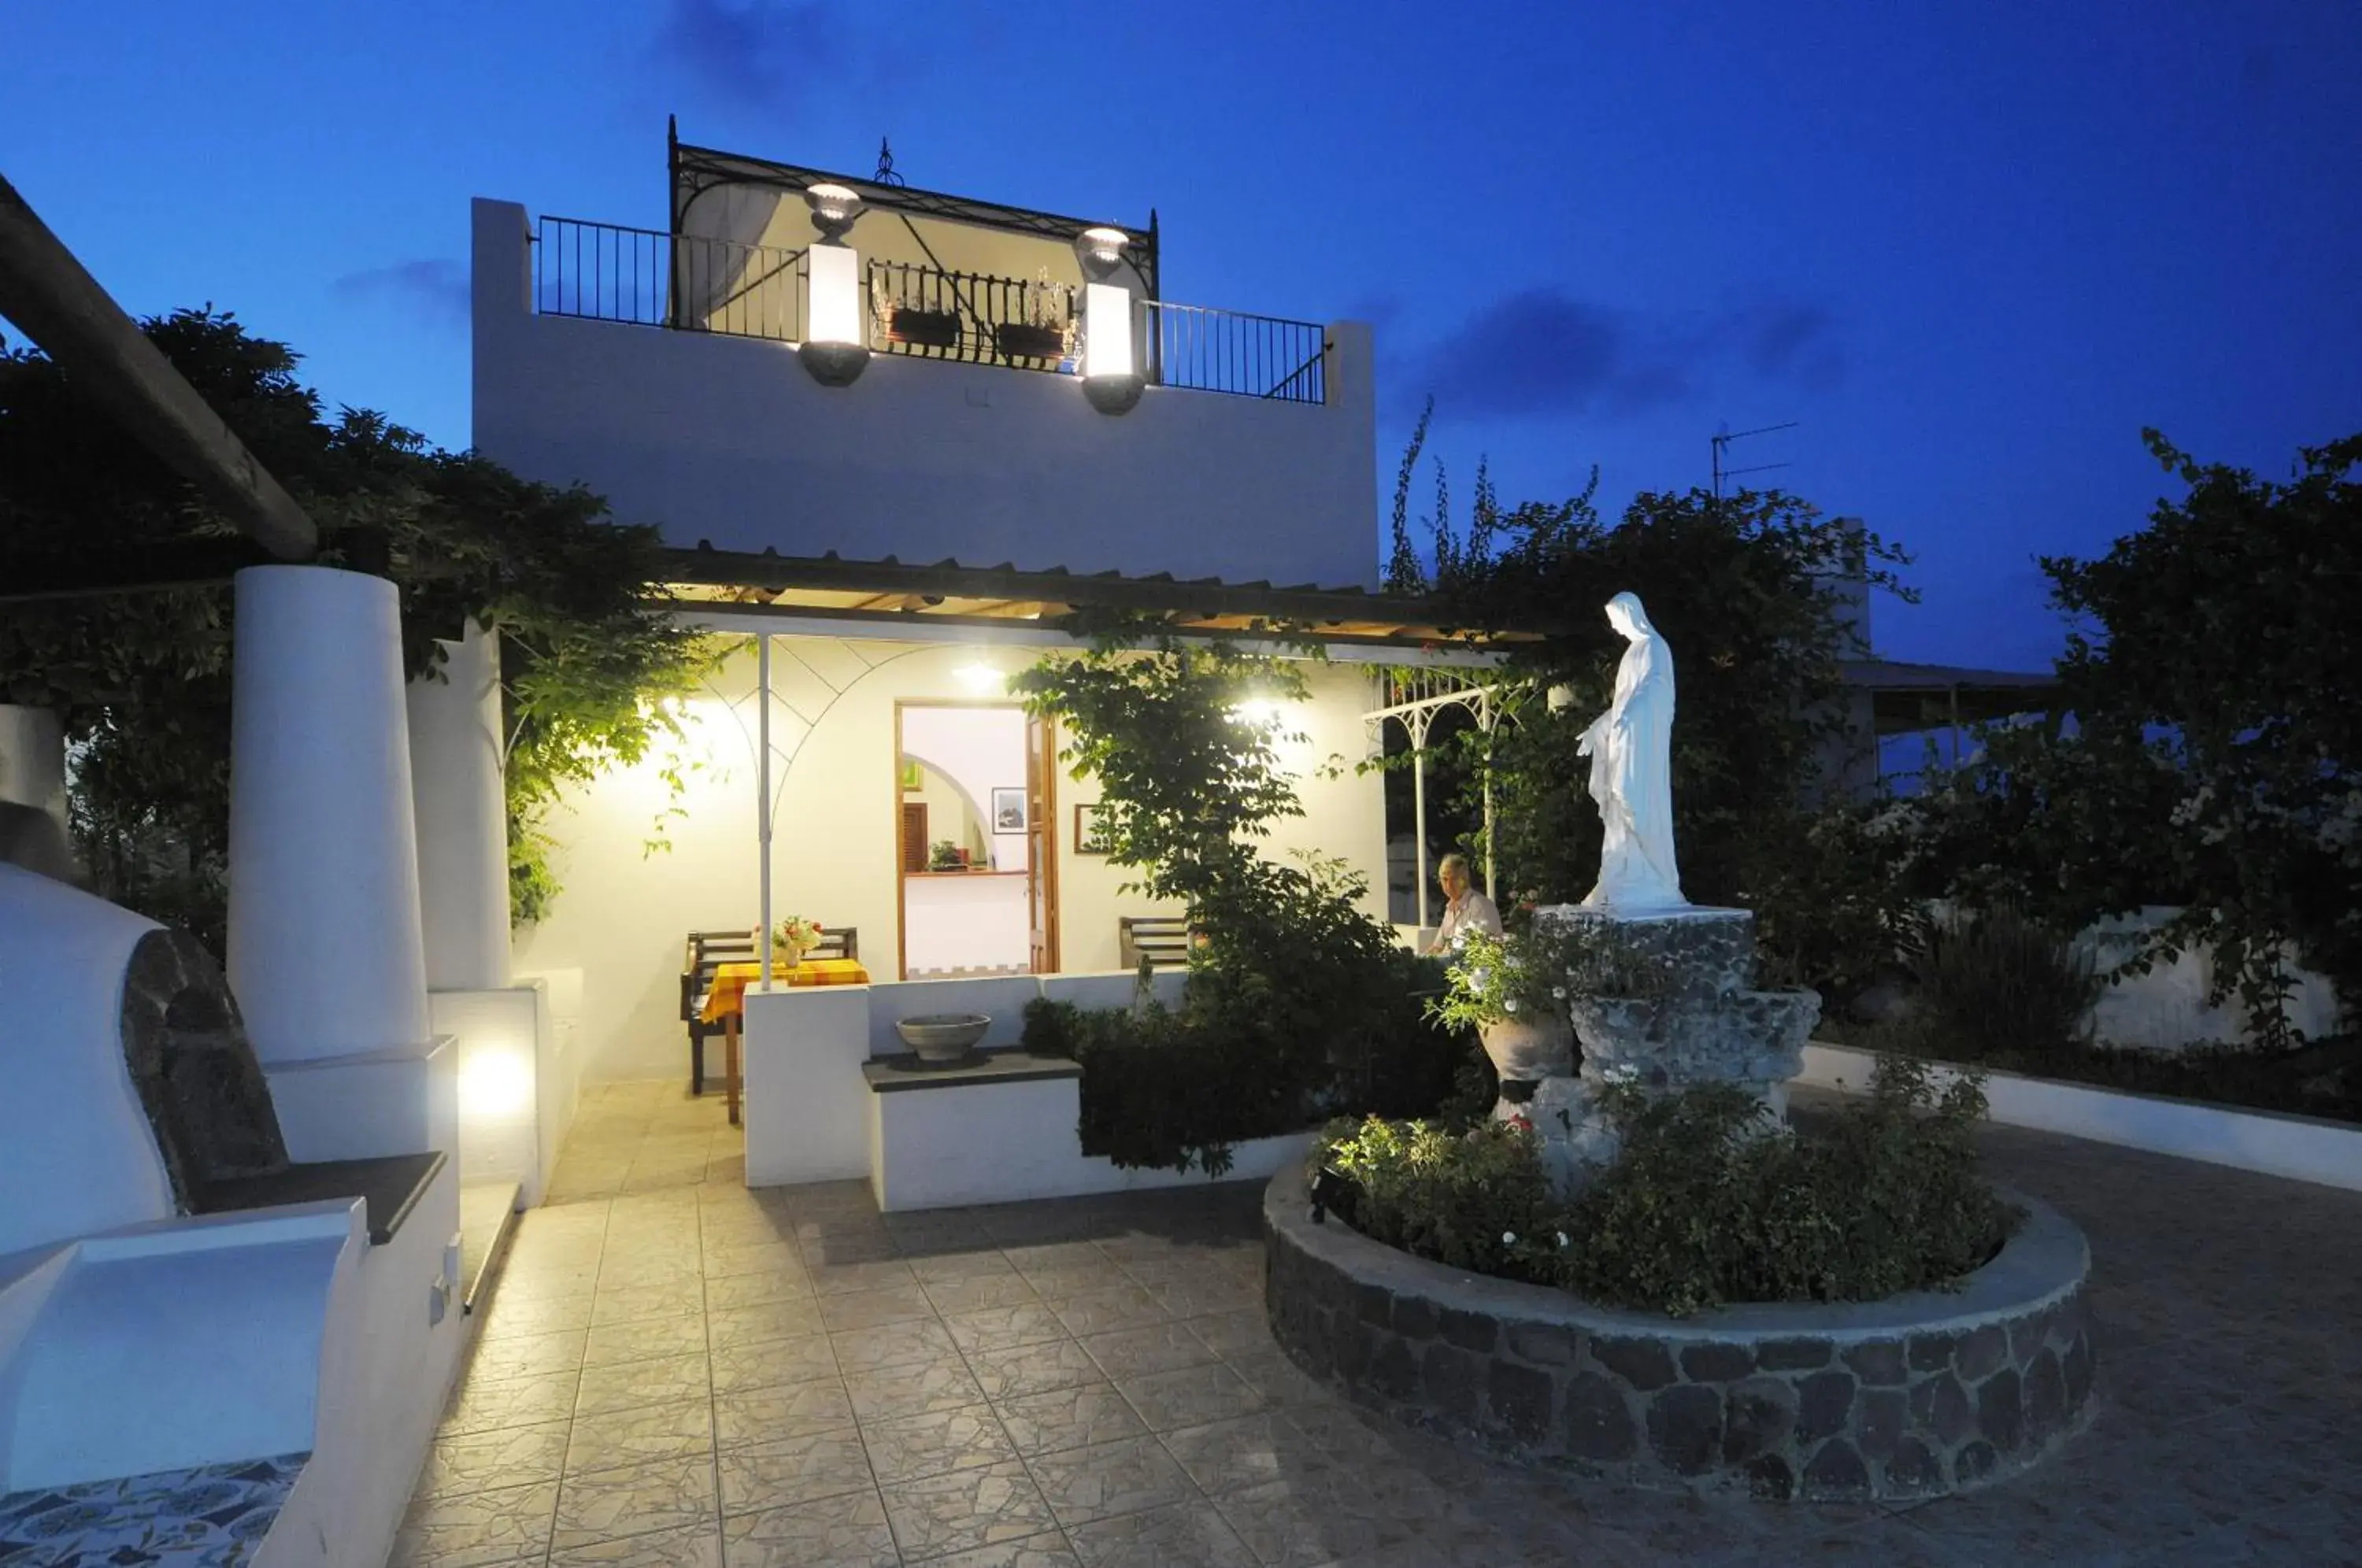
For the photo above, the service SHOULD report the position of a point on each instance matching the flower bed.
(1916, 1395)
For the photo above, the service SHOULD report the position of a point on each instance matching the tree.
(141, 677)
(1746, 589)
(2207, 749)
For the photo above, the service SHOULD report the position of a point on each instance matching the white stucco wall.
(623, 914)
(729, 440)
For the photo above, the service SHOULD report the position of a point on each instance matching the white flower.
(1508, 1238)
(1510, 1005)
(1558, 993)
(1561, 1238)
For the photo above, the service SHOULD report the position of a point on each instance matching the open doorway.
(969, 852)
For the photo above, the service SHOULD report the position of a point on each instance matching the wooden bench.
(707, 950)
(1162, 942)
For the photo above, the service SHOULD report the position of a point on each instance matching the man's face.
(1454, 883)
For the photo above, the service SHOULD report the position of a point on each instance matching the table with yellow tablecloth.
(725, 1002)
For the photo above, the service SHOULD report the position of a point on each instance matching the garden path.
(678, 1372)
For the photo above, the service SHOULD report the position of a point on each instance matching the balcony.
(691, 283)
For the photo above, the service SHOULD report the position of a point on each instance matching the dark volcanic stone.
(186, 1048)
(1824, 1401)
(1646, 1365)
(2076, 1365)
(1791, 1355)
(1685, 1428)
(1373, 1305)
(1914, 1470)
(1414, 1318)
(1520, 1399)
(1598, 1421)
(1933, 1352)
(1355, 1347)
(1999, 1414)
(1770, 1477)
(1450, 1377)
(2046, 1398)
(1879, 1422)
(1973, 1462)
(1546, 1344)
(1879, 1362)
(1471, 1331)
(1982, 1353)
(1757, 1415)
(2027, 1334)
(1717, 1362)
(1394, 1372)
(1837, 1473)
(1940, 1407)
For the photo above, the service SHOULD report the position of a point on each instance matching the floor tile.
(1187, 1535)
(1049, 1550)
(794, 1469)
(768, 1364)
(526, 1355)
(1191, 1398)
(651, 1338)
(503, 1456)
(1128, 1477)
(1248, 1451)
(522, 1402)
(847, 1532)
(511, 1316)
(871, 1309)
(615, 1439)
(965, 1509)
(892, 1344)
(997, 1327)
(751, 1324)
(909, 1448)
(974, 1293)
(1034, 1369)
(605, 1505)
(642, 1303)
(764, 1415)
(1069, 1418)
(696, 1546)
(1127, 1306)
(911, 1388)
(479, 1527)
(638, 1382)
(1136, 1352)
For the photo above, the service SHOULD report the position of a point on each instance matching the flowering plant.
(796, 935)
(1494, 979)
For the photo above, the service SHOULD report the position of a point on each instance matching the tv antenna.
(1721, 441)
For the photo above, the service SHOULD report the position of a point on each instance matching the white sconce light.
(1111, 378)
(834, 349)
(978, 676)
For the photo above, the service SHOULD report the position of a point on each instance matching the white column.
(326, 954)
(33, 759)
(456, 747)
(763, 801)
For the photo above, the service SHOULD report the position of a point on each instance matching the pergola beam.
(61, 307)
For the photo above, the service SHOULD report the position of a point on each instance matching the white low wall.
(2302, 1147)
(811, 1115)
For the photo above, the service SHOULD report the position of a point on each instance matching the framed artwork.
(912, 780)
(1009, 810)
(1090, 829)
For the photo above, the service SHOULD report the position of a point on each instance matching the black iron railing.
(1221, 351)
(608, 273)
(973, 317)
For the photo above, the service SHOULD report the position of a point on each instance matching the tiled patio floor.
(675, 1371)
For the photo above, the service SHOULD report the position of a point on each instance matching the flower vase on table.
(794, 937)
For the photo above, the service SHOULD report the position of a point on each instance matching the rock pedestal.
(1664, 1003)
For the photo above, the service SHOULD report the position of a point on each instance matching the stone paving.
(675, 1371)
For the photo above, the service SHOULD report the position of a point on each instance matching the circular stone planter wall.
(1913, 1396)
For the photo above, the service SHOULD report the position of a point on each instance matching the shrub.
(1710, 1203)
(1473, 1201)
(1997, 982)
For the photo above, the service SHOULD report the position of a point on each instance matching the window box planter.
(924, 328)
(1016, 340)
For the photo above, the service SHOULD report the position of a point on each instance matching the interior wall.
(624, 911)
(979, 749)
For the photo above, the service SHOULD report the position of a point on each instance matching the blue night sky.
(1973, 252)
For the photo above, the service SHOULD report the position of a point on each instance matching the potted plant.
(795, 936)
(1513, 991)
(907, 324)
(945, 856)
(1049, 323)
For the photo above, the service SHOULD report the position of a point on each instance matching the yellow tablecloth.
(730, 980)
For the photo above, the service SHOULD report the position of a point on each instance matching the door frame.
(1042, 868)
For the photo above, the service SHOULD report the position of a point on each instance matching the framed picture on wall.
(1009, 810)
(1090, 829)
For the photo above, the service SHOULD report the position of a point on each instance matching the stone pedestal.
(1664, 1003)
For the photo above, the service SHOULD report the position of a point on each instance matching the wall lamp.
(834, 349)
(1111, 379)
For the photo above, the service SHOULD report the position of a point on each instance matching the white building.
(1025, 411)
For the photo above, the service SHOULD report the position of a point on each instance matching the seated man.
(1465, 909)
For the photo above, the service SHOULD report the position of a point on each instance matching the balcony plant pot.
(1017, 340)
(925, 328)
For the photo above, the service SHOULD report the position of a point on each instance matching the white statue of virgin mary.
(1630, 747)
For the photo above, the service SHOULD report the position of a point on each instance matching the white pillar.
(33, 759)
(456, 747)
(326, 954)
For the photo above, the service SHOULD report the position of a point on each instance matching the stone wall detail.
(1915, 1397)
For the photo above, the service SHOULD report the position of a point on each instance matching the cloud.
(752, 55)
(1542, 351)
(434, 289)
